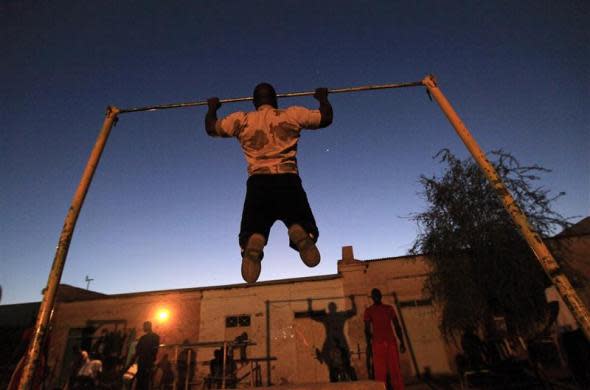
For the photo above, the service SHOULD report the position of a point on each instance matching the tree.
(481, 266)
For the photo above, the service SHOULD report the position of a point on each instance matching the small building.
(296, 328)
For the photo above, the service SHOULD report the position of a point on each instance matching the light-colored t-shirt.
(91, 369)
(269, 136)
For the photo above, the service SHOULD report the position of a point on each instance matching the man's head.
(376, 295)
(332, 307)
(264, 93)
(147, 326)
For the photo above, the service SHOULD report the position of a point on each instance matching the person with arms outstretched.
(378, 320)
(269, 137)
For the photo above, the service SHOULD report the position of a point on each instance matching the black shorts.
(275, 197)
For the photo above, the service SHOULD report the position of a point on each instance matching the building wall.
(126, 313)
(401, 281)
(281, 323)
(574, 253)
(291, 341)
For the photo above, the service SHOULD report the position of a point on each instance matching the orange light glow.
(163, 315)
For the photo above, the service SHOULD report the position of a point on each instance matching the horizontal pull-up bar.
(280, 95)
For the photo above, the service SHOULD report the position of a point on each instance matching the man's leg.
(252, 256)
(298, 217)
(255, 228)
(393, 366)
(304, 243)
(143, 378)
(379, 361)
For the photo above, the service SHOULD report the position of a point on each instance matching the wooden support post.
(46, 308)
(542, 253)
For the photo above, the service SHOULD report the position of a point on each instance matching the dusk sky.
(164, 208)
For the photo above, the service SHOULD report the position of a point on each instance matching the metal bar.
(318, 299)
(280, 95)
(188, 366)
(268, 382)
(176, 368)
(59, 260)
(406, 335)
(534, 240)
(224, 370)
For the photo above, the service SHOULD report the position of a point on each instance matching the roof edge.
(221, 287)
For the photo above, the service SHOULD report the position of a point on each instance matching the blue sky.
(164, 208)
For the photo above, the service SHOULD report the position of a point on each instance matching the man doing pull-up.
(268, 137)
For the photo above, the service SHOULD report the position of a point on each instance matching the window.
(242, 321)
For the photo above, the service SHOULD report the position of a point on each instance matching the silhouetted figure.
(100, 345)
(269, 137)
(117, 342)
(216, 376)
(145, 356)
(105, 349)
(474, 349)
(378, 331)
(165, 373)
(335, 352)
(242, 345)
(216, 369)
(185, 364)
(87, 336)
(231, 369)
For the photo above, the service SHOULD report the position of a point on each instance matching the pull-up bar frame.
(540, 250)
(280, 95)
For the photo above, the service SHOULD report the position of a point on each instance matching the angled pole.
(46, 308)
(542, 253)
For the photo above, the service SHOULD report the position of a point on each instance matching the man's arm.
(155, 346)
(321, 95)
(400, 335)
(211, 117)
(310, 313)
(352, 311)
(368, 332)
(131, 361)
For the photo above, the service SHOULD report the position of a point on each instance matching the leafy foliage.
(481, 266)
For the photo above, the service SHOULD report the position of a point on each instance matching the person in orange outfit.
(378, 331)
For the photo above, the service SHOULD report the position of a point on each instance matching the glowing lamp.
(163, 315)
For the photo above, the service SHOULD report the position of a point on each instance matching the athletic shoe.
(308, 252)
(252, 257)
